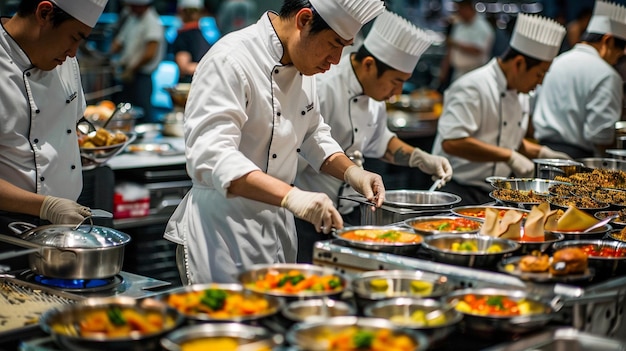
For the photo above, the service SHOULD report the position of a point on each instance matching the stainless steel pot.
(549, 168)
(70, 251)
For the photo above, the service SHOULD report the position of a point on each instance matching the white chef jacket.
(479, 105)
(579, 101)
(358, 123)
(478, 33)
(246, 111)
(38, 115)
(135, 33)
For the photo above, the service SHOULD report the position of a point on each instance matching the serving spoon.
(435, 185)
(601, 223)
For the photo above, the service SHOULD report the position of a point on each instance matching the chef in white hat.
(581, 97)
(486, 114)
(352, 96)
(252, 109)
(41, 101)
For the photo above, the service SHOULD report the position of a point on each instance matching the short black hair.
(28, 7)
(597, 37)
(381, 67)
(291, 7)
(511, 53)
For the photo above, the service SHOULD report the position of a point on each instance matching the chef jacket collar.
(18, 55)
(355, 88)
(274, 45)
(500, 77)
(586, 48)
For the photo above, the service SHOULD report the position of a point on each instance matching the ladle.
(122, 106)
(435, 185)
(601, 223)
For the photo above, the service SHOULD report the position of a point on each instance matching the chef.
(352, 96)
(581, 97)
(252, 109)
(42, 101)
(485, 113)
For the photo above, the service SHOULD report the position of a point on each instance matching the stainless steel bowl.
(597, 233)
(406, 306)
(537, 185)
(397, 247)
(274, 304)
(315, 335)
(527, 205)
(420, 199)
(603, 163)
(312, 309)
(527, 247)
(558, 203)
(414, 223)
(92, 157)
(249, 278)
(373, 286)
(62, 323)
(477, 212)
(492, 325)
(605, 267)
(250, 338)
(440, 246)
(550, 168)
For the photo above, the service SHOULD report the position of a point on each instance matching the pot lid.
(70, 236)
(556, 162)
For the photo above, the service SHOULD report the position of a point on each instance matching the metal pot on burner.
(82, 251)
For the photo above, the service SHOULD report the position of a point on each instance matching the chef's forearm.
(475, 150)
(336, 164)
(259, 186)
(18, 200)
(398, 152)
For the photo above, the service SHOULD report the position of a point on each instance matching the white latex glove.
(521, 165)
(546, 152)
(62, 211)
(316, 208)
(437, 166)
(366, 183)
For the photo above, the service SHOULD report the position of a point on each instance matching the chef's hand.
(62, 211)
(437, 166)
(316, 208)
(546, 152)
(366, 183)
(521, 165)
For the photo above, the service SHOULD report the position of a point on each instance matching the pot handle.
(19, 242)
(15, 227)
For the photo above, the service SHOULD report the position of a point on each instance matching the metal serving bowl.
(420, 199)
(414, 223)
(92, 157)
(315, 335)
(488, 325)
(597, 233)
(397, 247)
(617, 235)
(440, 245)
(528, 205)
(63, 324)
(619, 222)
(559, 203)
(527, 247)
(274, 304)
(478, 212)
(311, 309)
(604, 266)
(373, 286)
(604, 163)
(249, 278)
(537, 185)
(247, 337)
(406, 306)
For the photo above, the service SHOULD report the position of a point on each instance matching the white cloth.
(474, 107)
(478, 34)
(579, 101)
(245, 112)
(38, 142)
(135, 33)
(358, 123)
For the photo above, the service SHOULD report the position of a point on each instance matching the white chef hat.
(346, 17)
(190, 4)
(608, 18)
(86, 11)
(396, 42)
(537, 36)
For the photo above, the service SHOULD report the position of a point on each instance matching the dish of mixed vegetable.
(496, 305)
(295, 281)
(218, 303)
(460, 225)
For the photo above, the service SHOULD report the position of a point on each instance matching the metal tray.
(562, 339)
(541, 277)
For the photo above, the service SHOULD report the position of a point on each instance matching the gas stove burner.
(74, 285)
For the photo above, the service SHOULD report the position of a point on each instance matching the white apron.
(38, 113)
(245, 112)
(358, 123)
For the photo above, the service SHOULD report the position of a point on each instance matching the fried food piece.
(101, 137)
(535, 263)
(569, 260)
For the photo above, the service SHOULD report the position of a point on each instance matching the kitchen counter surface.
(128, 160)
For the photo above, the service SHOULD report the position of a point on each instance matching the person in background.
(252, 109)
(485, 114)
(233, 15)
(190, 45)
(581, 97)
(352, 96)
(469, 43)
(140, 44)
(42, 102)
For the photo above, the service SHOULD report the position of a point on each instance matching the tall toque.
(346, 17)
(608, 18)
(86, 11)
(537, 36)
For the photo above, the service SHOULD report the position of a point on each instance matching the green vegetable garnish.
(214, 298)
(363, 339)
(334, 283)
(115, 316)
(495, 301)
(392, 234)
(443, 226)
